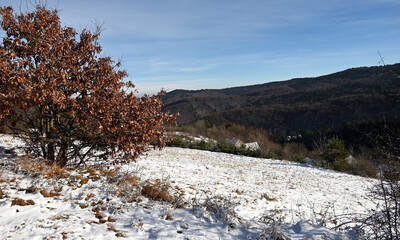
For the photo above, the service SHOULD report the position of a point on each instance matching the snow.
(252, 146)
(299, 196)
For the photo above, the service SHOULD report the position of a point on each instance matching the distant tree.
(68, 103)
(335, 150)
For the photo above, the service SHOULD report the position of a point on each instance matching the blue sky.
(199, 44)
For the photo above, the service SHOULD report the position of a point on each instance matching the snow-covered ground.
(298, 195)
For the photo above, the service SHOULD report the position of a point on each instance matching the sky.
(207, 44)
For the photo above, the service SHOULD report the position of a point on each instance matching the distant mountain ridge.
(356, 94)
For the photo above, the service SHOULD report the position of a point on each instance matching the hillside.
(229, 197)
(357, 94)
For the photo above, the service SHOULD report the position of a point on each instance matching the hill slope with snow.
(228, 197)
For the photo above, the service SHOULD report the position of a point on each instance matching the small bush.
(299, 158)
(335, 153)
(178, 141)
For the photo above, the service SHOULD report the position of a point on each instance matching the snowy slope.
(297, 189)
(294, 193)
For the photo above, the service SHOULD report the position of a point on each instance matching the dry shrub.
(1, 194)
(261, 136)
(158, 190)
(363, 167)
(21, 202)
(128, 186)
(291, 150)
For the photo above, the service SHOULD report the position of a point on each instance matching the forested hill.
(356, 94)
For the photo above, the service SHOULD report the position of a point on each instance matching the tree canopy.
(66, 101)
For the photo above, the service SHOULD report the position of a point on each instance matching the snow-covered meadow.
(297, 196)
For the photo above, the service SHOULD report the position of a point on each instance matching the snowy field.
(299, 196)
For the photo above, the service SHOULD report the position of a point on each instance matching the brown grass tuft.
(268, 198)
(109, 173)
(31, 189)
(158, 190)
(64, 235)
(100, 215)
(21, 202)
(89, 196)
(93, 174)
(83, 181)
(52, 193)
(83, 205)
(119, 234)
(111, 227)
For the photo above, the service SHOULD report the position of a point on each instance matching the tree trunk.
(49, 138)
(62, 157)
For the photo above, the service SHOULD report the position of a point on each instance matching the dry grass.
(109, 173)
(291, 150)
(64, 217)
(83, 181)
(83, 205)
(89, 196)
(21, 202)
(31, 189)
(100, 215)
(52, 193)
(157, 190)
(128, 186)
(118, 233)
(41, 167)
(268, 198)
